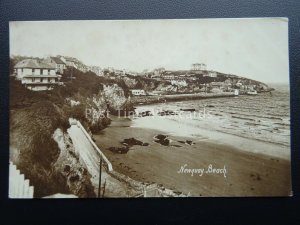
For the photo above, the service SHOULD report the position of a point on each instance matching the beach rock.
(162, 139)
(165, 142)
(132, 141)
(119, 150)
(160, 136)
(188, 142)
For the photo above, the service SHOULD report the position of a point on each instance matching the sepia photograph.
(149, 108)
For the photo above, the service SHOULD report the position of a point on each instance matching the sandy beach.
(247, 173)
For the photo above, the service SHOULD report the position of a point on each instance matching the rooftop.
(57, 60)
(34, 63)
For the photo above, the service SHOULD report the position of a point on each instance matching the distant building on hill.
(179, 82)
(198, 66)
(217, 84)
(210, 74)
(121, 73)
(168, 76)
(37, 75)
(138, 92)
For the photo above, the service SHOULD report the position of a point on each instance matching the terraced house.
(37, 74)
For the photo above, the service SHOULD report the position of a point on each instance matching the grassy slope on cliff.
(32, 148)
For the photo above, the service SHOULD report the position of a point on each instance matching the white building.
(138, 92)
(236, 92)
(179, 83)
(168, 77)
(37, 75)
(198, 66)
(60, 65)
(210, 74)
(121, 73)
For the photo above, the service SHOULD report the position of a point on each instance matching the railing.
(19, 187)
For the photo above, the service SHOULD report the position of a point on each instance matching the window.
(41, 71)
(32, 80)
(22, 70)
(32, 71)
(41, 80)
(48, 72)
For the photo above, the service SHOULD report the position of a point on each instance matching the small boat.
(252, 92)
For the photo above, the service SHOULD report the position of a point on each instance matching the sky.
(253, 48)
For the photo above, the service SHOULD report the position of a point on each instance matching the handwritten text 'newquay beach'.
(201, 171)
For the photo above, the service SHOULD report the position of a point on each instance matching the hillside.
(186, 81)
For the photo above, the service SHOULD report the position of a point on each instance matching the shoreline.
(153, 99)
(249, 174)
(266, 129)
(220, 137)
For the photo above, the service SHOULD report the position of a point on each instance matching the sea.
(264, 117)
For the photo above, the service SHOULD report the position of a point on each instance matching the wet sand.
(248, 174)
